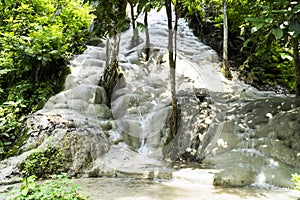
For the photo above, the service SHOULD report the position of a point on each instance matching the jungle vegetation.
(38, 38)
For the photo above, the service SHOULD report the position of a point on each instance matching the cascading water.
(149, 81)
(144, 124)
(231, 132)
(143, 148)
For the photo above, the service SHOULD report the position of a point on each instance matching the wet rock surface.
(259, 143)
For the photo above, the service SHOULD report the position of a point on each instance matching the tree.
(111, 20)
(36, 44)
(225, 63)
(297, 65)
(172, 64)
(132, 4)
(146, 6)
(147, 47)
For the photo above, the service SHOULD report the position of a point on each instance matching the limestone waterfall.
(240, 135)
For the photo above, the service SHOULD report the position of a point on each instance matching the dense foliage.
(110, 17)
(274, 32)
(38, 37)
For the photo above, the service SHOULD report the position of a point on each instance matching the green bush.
(59, 187)
(9, 112)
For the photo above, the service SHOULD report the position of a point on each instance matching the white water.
(148, 82)
(143, 148)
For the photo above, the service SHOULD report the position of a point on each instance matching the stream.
(229, 127)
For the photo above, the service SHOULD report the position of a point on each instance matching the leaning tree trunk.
(297, 65)
(225, 63)
(172, 69)
(147, 49)
(112, 72)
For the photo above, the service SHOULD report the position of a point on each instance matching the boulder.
(79, 145)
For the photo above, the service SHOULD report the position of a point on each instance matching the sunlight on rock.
(269, 115)
(260, 179)
(222, 143)
(274, 163)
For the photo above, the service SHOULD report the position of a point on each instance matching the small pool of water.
(141, 189)
(125, 189)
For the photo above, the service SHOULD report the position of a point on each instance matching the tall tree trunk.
(147, 49)
(112, 72)
(172, 69)
(225, 63)
(175, 29)
(132, 16)
(134, 28)
(297, 65)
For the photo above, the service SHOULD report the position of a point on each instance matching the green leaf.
(31, 185)
(256, 28)
(279, 11)
(294, 28)
(278, 33)
(286, 56)
(253, 19)
(269, 20)
(253, 29)
(7, 143)
(296, 9)
(246, 42)
(25, 191)
(2, 123)
(53, 52)
(140, 26)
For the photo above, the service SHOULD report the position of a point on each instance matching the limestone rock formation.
(77, 121)
(259, 145)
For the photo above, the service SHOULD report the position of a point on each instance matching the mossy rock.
(43, 163)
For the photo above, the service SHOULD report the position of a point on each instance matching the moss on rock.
(43, 163)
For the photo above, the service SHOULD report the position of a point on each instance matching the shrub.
(38, 37)
(59, 187)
